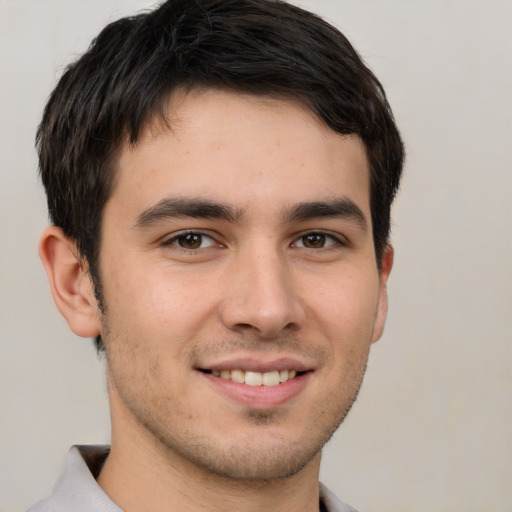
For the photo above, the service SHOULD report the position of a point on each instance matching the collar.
(77, 490)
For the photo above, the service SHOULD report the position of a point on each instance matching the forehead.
(238, 148)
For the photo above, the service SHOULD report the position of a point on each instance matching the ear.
(382, 304)
(70, 283)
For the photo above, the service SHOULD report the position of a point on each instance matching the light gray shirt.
(77, 491)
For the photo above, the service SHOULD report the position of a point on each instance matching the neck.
(142, 475)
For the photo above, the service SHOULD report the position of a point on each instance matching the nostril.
(265, 308)
(244, 326)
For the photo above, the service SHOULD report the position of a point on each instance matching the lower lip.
(259, 396)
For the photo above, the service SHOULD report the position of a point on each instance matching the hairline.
(157, 122)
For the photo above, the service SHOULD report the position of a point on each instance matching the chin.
(256, 463)
(261, 454)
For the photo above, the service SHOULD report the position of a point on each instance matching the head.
(278, 159)
(266, 48)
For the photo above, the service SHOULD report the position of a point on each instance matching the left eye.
(316, 241)
(191, 241)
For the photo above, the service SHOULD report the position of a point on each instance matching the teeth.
(238, 376)
(256, 378)
(253, 378)
(271, 379)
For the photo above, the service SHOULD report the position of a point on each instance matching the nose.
(261, 296)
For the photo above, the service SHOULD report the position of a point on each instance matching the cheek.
(153, 290)
(177, 305)
(346, 307)
(158, 311)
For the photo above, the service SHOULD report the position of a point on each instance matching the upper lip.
(258, 364)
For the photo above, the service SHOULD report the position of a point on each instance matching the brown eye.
(191, 241)
(317, 240)
(314, 240)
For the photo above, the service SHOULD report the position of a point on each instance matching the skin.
(262, 281)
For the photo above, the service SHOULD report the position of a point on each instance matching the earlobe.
(382, 306)
(71, 285)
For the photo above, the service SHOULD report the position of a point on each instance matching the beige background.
(432, 429)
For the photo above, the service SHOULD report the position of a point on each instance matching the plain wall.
(432, 428)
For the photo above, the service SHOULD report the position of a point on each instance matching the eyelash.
(174, 240)
(334, 240)
(328, 238)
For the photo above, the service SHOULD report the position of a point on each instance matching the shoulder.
(331, 503)
(76, 489)
(40, 506)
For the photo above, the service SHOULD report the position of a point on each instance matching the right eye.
(191, 240)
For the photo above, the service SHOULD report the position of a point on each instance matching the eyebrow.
(170, 208)
(179, 207)
(335, 208)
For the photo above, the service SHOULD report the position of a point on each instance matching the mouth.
(258, 383)
(252, 378)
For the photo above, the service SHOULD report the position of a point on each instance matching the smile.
(272, 378)
(261, 384)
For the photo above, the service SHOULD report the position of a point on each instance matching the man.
(219, 177)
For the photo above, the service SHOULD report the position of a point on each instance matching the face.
(240, 285)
